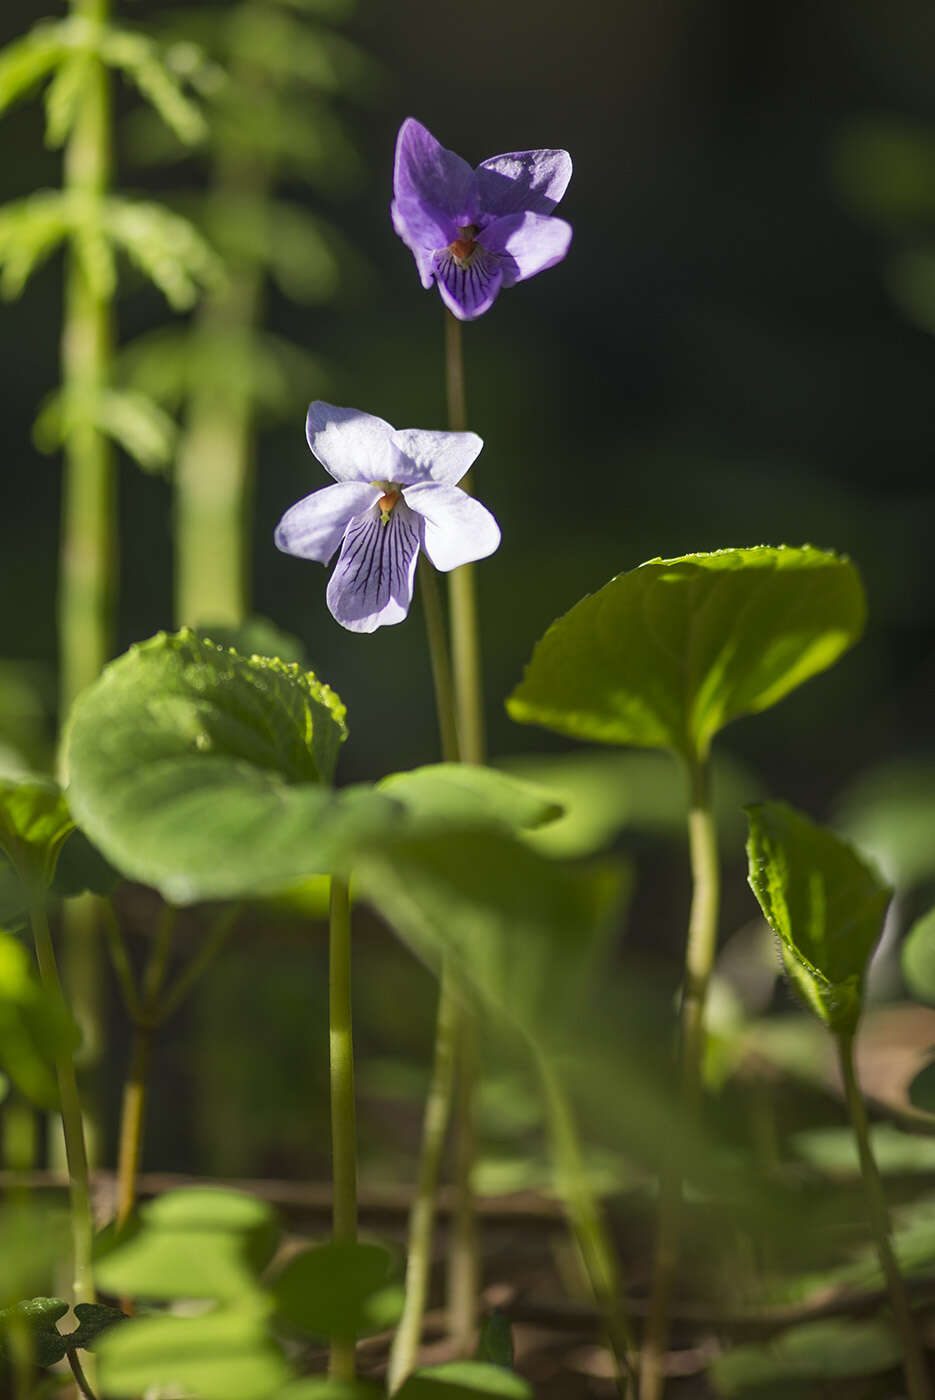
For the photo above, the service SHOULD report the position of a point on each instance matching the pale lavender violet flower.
(395, 493)
(475, 231)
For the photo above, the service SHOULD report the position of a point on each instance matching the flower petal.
(434, 190)
(526, 244)
(457, 528)
(434, 456)
(371, 585)
(351, 445)
(532, 181)
(424, 255)
(314, 527)
(470, 289)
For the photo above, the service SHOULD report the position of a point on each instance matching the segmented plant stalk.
(463, 1254)
(699, 960)
(343, 1118)
(918, 1379)
(82, 1229)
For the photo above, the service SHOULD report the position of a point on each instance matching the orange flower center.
(462, 249)
(386, 503)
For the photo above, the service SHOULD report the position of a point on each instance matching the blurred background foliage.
(737, 350)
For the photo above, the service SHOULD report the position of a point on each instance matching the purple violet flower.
(475, 231)
(394, 494)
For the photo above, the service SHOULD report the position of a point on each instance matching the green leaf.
(835, 1150)
(666, 655)
(889, 811)
(825, 1350)
(321, 1388)
(918, 958)
(30, 231)
(495, 1343)
(204, 773)
(26, 61)
(34, 824)
(222, 1355)
(63, 97)
(35, 1027)
(140, 60)
(922, 1089)
(168, 249)
(82, 869)
(459, 1380)
(256, 636)
(201, 1242)
(521, 929)
(460, 795)
(825, 903)
(93, 1320)
(326, 1290)
(33, 1239)
(40, 1316)
(130, 418)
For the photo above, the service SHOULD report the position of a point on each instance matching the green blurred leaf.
(603, 794)
(139, 58)
(922, 1089)
(205, 773)
(63, 96)
(460, 795)
(910, 277)
(222, 1355)
(130, 418)
(918, 958)
(200, 1242)
(889, 811)
(168, 249)
(521, 930)
(326, 1290)
(825, 903)
(27, 60)
(835, 1150)
(35, 1028)
(40, 1316)
(666, 655)
(826, 1350)
(30, 231)
(82, 869)
(34, 824)
(459, 1380)
(324, 1388)
(885, 169)
(34, 1237)
(256, 636)
(495, 1343)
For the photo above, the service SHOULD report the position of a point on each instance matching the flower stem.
(82, 1229)
(422, 1218)
(343, 1120)
(918, 1380)
(441, 666)
(463, 1255)
(699, 959)
(587, 1222)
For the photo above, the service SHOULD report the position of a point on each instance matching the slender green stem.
(699, 960)
(422, 1218)
(463, 1255)
(589, 1226)
(343, 1120)
(441, 666)
(918, 1379)
(82, 1228)
(120, 960)
(199, 964)
(81, 1380)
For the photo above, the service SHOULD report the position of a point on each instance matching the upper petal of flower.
(526, 244)
(434, 456)
(523, 180)
(351, 445)
(457, 528)
(371, 585)
(434, 190)
(468, 289)
(314, 527)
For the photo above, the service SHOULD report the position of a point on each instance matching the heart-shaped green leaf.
(918, 958)
(825, 903)
(34, 825)
(222, 1355)
(40, 1315)
(460, 1380)
(206, 774)
(666, 655)
(326, 1290)
(825, 1350)
(35, 1027)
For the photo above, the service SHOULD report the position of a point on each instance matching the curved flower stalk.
(395, 494)
(475, 231)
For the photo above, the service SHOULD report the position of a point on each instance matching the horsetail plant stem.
(82, 1228)
(342, 1364)
(918, 1380)
(699, 960)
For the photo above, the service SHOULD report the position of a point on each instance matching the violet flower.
(475, 231)
(394, 494)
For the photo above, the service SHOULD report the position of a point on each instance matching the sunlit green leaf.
(459, 1380)
(26, 61)
(827, 1350)
(168, 249)
(666, 655)
(206, 774)
(459, 795)
(131, 419)
(34, 824)
(918, 958)
(326, 1291)
(35, 1027)
(256, 636)
(140, 60)
(223, 1355)
(63, 96)
(30, 231)
(825, 903)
